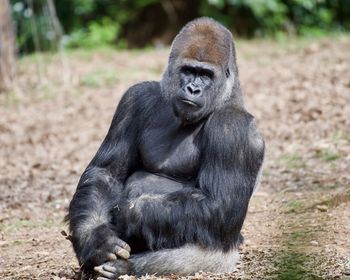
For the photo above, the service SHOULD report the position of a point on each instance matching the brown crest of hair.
(204, 40)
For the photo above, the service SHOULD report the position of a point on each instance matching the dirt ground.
(298, 225)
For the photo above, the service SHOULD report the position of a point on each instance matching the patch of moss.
(290, 266)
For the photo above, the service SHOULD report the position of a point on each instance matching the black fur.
(170, 173)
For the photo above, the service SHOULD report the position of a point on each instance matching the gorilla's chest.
(171, 150)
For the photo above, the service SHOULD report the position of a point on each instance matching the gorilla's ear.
(227, 73)
(230, 80)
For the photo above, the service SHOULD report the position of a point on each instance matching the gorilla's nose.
(193, 89)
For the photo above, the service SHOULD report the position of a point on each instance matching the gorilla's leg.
(185, 260)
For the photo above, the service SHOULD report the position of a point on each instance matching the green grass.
(328, 155)
(100, 78)
(292, 161)
(298, 235)
(294, 206)
(15, 225)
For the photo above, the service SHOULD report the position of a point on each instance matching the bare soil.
(298, 225)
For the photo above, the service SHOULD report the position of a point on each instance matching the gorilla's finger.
(124, 245)
(103, 272)
(121, 252)
(109, 268)
(111, 257)
(98, 268)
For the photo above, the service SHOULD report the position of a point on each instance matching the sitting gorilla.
(168, 190)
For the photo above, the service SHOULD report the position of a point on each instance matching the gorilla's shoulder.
(142, 94)
(146, 88)
(235, 125)
(146, 85)
(230, 116)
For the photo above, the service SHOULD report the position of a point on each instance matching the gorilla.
(168, 190)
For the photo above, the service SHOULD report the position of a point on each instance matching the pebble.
(322, 208)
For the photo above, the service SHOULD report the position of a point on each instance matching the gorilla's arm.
(211, 214)
(99, 189)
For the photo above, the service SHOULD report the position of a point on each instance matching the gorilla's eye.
(207, 73)
(227, 73)
(187, 70)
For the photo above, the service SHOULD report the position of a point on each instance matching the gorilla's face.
(201, 73)
(197, 90)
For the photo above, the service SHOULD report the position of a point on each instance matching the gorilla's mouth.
(189, 102)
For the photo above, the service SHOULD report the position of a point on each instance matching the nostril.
(189, 89)
(193, 90)
(196, 91)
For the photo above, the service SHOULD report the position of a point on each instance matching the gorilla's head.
(202, 74)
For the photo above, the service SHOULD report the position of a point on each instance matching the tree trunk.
(7, 46)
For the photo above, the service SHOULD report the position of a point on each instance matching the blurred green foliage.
(96, 33)
(94, 23)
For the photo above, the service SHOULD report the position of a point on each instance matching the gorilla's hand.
(103, 245)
